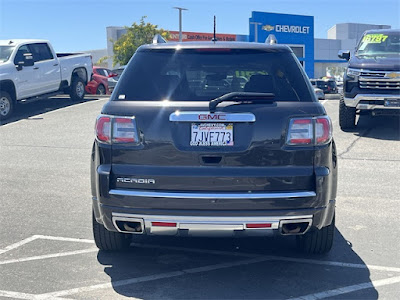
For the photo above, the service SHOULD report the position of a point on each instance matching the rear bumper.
(210, 226)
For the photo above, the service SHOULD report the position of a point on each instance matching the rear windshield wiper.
(240, 97)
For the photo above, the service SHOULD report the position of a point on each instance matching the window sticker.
(374, 38)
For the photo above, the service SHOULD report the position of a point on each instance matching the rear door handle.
(55, 65)
(36, 68)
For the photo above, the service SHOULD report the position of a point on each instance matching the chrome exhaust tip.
(295, 226)
(128, 225)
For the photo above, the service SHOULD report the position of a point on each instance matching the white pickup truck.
(30, 69)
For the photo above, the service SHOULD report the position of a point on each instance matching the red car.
(99, 84)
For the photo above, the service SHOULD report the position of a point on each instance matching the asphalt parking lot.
(46, 243)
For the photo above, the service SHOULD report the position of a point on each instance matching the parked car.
(319, 93)
(175, 158)
(328, 86)
(30, 69)
(371, 84)
(100, 83)
(112, 81)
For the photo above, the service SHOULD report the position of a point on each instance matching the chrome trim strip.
(194, 116)
(183, 195)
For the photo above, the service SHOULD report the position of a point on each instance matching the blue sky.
(73, 25)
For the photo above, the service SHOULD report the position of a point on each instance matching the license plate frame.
(211, 135)
(392, 102)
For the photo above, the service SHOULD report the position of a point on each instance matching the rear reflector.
(163, 224)
(309, 131)
(259, 225)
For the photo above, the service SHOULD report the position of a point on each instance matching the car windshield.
(5, 53)
(379, 44)
(205, 74)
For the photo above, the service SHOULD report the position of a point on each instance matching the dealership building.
(318, 56)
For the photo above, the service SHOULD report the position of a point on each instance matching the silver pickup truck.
(31, 68)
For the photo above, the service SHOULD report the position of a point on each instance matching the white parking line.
(17, 295)
(64, 239)
(150, 278)
(39, 257)
(18, 244)
(349, 289)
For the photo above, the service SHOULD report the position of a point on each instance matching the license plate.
(211, 134)
(392, 102)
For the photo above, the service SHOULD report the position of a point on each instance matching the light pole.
(256, 30)
(180, 21)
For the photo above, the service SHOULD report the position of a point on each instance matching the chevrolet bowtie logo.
(393, 75)
(268, 27)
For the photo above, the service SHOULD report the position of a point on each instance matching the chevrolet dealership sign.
(287, 28)
(294, 30)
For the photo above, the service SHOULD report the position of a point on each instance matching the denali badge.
(136, 180)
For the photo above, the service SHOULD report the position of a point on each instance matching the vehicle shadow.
(40, 106)
(379, 127)
(159, 267)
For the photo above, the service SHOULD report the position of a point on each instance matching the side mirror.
(26, 62)
(344, 54)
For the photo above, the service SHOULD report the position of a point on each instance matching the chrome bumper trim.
(208, 225)
(217, 196)
(354, 102)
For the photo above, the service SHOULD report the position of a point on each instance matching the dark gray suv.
(184, 148)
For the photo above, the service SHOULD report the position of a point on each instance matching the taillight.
(323, 130)
(309, 131)
(124, 130)
(114, 130)
(300, 132)
(103, 129)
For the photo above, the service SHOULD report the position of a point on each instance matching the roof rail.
(158, 39)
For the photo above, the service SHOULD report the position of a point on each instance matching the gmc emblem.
(204, 117)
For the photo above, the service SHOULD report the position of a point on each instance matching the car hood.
(375, 63)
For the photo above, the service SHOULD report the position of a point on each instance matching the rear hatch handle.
(241, 97)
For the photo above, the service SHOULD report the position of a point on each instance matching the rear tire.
(77, 89)
(317, 241)
(101, 90)
(109, 240)
(347, 116)
(6, 105)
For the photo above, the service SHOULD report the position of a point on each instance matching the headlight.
(353, 72)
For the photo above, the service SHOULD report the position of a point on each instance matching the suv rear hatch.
(182, 147)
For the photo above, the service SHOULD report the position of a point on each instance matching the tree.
(135, 36)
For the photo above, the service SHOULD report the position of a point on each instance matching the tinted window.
(207, 74)
(19, 56)
(41, 52)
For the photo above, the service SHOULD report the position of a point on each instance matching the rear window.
(205, 74)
